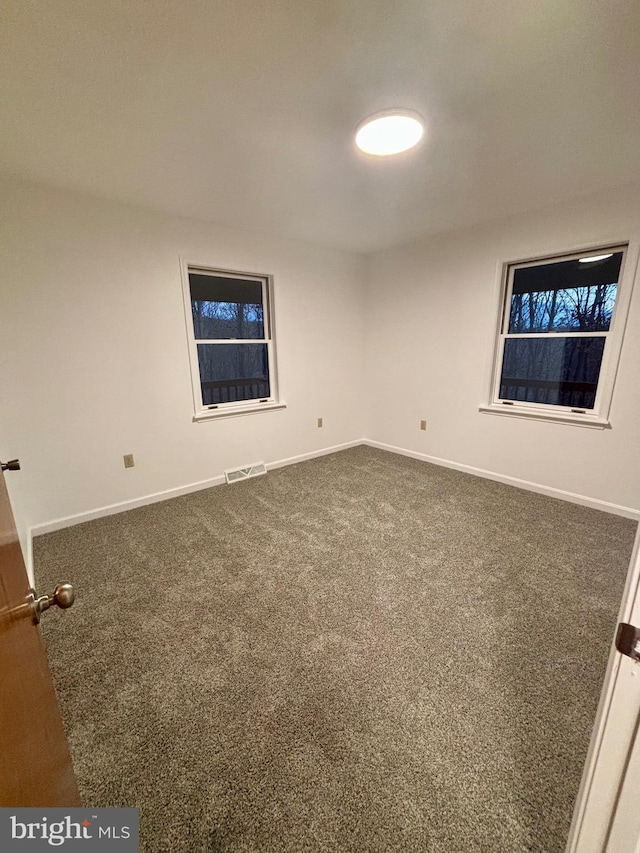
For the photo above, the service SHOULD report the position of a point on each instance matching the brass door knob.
(63, 596)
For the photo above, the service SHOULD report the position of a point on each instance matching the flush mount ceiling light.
(594, 258)
(389, 132)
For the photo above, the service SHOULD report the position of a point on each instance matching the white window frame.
(204, 412)
(598, 417)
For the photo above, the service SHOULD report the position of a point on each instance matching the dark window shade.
(566, 275)
(213, 288)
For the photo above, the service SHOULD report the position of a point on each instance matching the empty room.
(320, 359)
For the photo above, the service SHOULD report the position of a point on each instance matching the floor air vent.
(244, 473)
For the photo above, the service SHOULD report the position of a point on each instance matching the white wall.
(432, 309)
(94, 361)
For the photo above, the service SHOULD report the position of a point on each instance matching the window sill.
(589, 421)
(234, 411)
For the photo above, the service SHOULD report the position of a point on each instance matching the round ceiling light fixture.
(595, 258)
(389, 132)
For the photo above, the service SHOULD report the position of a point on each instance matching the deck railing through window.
(234, 390)
(578, 395)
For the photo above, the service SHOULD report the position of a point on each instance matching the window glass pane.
(233, 372)
(564, 296)
(554, 371)
(226, 307)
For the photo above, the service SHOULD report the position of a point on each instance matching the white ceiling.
(241, 112)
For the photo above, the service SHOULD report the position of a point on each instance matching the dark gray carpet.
(358, 653)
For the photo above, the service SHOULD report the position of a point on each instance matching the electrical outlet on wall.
(319, 422)
(128, 460)
(423, 424)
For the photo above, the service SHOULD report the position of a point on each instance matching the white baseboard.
(583, 500)
(292, 460)
(123, 506)
(156, 497)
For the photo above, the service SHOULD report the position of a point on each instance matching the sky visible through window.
(580, 309)
(230, 310)
(216, 320)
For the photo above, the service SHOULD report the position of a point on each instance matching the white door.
(625, 829)
(607, 813)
